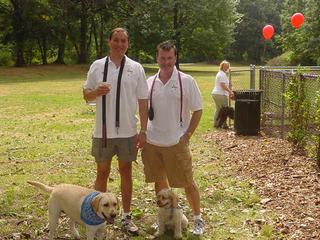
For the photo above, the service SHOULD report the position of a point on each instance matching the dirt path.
(288, 184)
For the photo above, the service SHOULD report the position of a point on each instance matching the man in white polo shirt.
(175, 109)
(117, 83)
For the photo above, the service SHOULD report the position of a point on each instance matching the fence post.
(252, 76)
(283, 104)
(262, 86)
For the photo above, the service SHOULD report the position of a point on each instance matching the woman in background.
(221, 91)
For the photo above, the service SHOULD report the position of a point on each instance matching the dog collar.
(88, 215)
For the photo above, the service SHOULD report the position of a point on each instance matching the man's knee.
(192, 187)
(103, 170)
(125, 168)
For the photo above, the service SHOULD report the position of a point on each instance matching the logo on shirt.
(174, 87)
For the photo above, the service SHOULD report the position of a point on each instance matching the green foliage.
(282, 60)
(249, 42)
(304, 42)
(299, 108)
(5, 56)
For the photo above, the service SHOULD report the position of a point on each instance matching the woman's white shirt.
(221, 77)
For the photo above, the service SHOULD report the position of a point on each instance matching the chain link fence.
(274, 82)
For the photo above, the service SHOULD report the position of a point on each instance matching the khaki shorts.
(173, 163)
(124, 148)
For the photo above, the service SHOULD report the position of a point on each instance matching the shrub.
(282, 60)
(299, 108)
(5, 56)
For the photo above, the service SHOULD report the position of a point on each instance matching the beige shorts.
(173, 163)
(124, 148)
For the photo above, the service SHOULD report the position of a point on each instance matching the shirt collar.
(174, 75)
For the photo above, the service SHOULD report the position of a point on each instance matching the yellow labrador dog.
(82, 205)
(170, 215)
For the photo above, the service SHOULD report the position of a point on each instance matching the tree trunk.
(176, 29)
(44, 50)
(95, 36)
(20, 54)
(83, 34)
(18, 33)
(61, 48)
(102, 38)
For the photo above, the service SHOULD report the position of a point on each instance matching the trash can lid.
(248, 94)
(248, 91)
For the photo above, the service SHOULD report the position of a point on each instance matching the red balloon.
(267, 32)
(297, 20)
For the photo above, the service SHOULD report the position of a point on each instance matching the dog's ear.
(95, 202)
(174, 199)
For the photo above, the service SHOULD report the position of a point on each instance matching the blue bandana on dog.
(88, 215)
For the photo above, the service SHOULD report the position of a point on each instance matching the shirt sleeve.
(196, 99)
(222, 78)
(91, 81)
(142, 87)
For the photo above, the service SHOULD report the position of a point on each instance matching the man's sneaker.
(198, 227)
(128, 226)
(155, 226)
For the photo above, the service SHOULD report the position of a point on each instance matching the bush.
(145, 57)
(284, 59)
(5, 56)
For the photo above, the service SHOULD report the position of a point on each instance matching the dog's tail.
(41, 186)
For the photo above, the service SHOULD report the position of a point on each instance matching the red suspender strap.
(151, 112)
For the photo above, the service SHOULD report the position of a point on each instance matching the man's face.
(118, 43)
(166, 59)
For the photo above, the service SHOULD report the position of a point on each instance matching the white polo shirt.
(133, 87)
(220, 78)
(165, 129)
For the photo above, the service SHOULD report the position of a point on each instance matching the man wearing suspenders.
(175, 109)
(117, 83)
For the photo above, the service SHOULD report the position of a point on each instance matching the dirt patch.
(288, 184)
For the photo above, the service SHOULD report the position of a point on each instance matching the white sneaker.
(155, 226)
(198, 227)
(128, 226)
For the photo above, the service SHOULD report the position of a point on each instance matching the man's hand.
(141, 139)
(186, 137)
(103, 89)
(231, 96)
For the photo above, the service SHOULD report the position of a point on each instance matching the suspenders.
(104, 122)
(151, 112)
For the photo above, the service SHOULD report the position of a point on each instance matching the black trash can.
(247, 112)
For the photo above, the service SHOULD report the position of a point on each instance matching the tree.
(290, 38)
(249, 44)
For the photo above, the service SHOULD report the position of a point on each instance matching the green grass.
(45, 130)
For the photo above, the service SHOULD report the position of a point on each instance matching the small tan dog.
(170, 216)
(82, 205)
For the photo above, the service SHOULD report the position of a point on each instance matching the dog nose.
(113, 215)
(158, 203)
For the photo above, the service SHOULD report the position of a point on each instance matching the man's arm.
(91, 94)
(143, 113)
(194, 122)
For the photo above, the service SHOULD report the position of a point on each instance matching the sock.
(124, 215)
(196, 217)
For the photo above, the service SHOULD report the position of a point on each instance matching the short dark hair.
(167, 46)
(115, 30)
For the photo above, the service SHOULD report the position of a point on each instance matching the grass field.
(45, 129)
